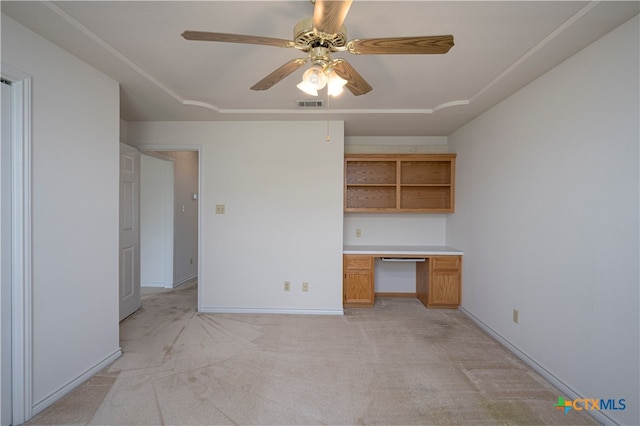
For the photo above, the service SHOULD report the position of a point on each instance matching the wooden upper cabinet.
(399, 183)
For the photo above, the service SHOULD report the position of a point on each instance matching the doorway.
(168, 218)
(169, 221)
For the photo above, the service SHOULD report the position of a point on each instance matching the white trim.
(558, 31)
(110, 49)
(550, 377)
(217, 310)
(155, 285)
(170, 285)
(64, 390)
(185, 280)
(21, 279)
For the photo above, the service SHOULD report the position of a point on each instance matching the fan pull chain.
(328, 116)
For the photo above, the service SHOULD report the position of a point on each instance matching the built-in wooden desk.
(438, 274)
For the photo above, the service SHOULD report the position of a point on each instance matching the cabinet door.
(445, 281)
(358, 288)
(444, 289)
(358, 281)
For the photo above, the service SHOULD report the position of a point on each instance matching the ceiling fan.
(322, 35)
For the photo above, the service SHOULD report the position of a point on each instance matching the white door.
(6, 416)
(129, 230)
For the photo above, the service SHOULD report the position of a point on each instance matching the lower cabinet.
(358, 281)
(438, 281)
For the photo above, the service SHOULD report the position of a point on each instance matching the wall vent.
(309, 103)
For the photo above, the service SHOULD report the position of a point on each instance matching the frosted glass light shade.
(335, 83)
(307, 88)
(315, 76)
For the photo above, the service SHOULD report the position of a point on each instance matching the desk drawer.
(358, 262)
(445, 262)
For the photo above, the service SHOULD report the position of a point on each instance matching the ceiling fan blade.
(329, 15)
(401, 45)
(236, 38)
(279, 74)
(355, 83)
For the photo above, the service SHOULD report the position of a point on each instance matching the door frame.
(21, 244)
(201, 200)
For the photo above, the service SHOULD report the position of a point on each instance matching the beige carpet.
(395, 364)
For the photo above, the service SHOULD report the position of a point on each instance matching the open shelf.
(425, 172)
(371, 172)
(399, 183)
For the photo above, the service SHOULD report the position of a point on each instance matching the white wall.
(75, 147)
(547, 215)
(156, 222)
(395, 228)
(281, 184)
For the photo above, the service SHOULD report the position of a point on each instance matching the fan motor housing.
(306, 37)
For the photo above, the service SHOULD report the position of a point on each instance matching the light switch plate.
(219, 208)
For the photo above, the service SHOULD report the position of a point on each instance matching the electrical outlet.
(516, 314)
(287, 286)
(219, 208)
(305, 286)
(358, 233)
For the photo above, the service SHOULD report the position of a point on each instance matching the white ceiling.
(500, 46)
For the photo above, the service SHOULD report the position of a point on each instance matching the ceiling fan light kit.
(322, 35)
(317, 77)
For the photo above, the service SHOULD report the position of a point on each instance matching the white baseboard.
(169, 285)
(185, 280)
(155, 285)
(62, 391)
(565, 388)
(217, 310)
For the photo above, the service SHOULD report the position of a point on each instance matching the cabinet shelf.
(371, 185)
(371, 172)
(443, 185)
(399, 183)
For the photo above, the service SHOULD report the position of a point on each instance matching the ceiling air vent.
(309, 103)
